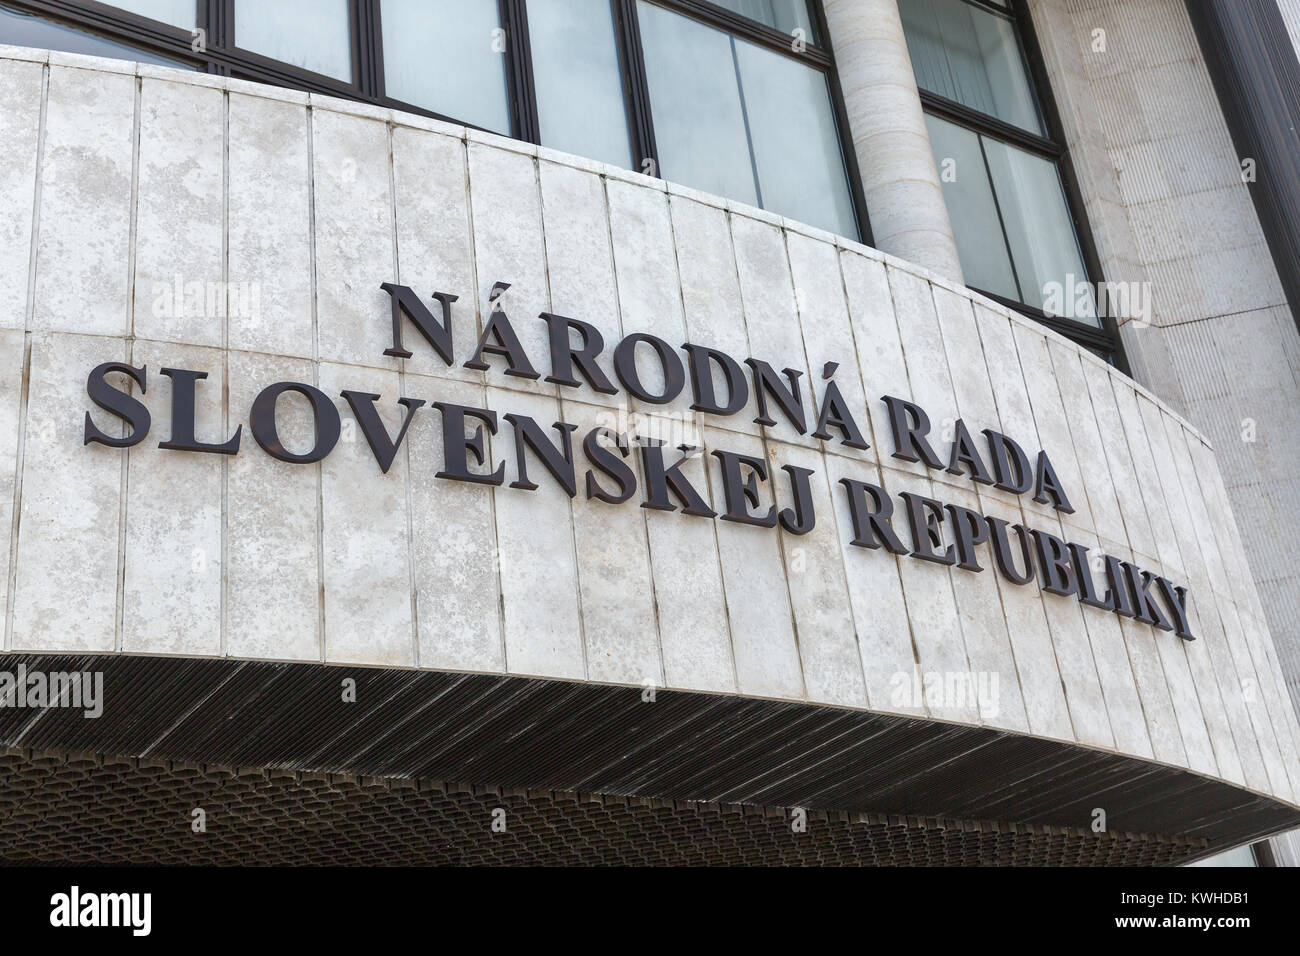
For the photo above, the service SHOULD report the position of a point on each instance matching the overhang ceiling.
(287, 772)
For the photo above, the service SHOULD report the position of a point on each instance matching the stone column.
(909, 218)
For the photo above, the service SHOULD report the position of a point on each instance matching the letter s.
(129, 409)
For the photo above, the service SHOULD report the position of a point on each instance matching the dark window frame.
(221, 57)
(1104, 340)
(1263, 853)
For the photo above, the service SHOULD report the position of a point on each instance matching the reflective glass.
(736, 119)
(22, 29)
(448, 56)
(970, 55)
(985, 259)
(699, 119)
(796, 147)
(1238, 856)
(577, 79)
(310, 34)
(179, 13)
(1040, 231)
(786, 15)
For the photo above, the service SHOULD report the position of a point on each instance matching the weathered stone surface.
(149, 550)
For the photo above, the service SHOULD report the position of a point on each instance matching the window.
(580, 102)
(970, 54)
(178, 13)
(446, 56)
(309, 34)
(20, 28)
(1004, 172)
(742, 121)
(1238, 856)
(735, 97)
(785, 15)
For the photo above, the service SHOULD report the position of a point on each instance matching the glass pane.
(741, 121)
(796, 147)
(21, 29)
(1041, 232)
(786, 15)
(179, 13)
(695, 103)
(971, 56)
(448, 56)
(577, 79)
(309, 34)
(971, 208)
(1239, 856)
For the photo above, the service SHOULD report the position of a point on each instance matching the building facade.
(597, 430)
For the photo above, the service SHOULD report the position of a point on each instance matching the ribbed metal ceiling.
(82, 810)
(581, 738)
